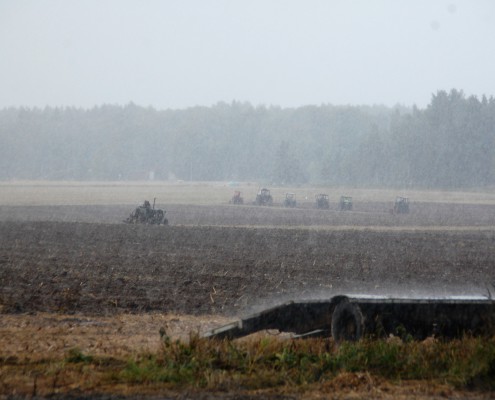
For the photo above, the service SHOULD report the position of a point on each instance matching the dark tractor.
(401, 205)
(264, 198)
(345, 203)
(322, 202)
(145, 214)
(290, 200)
(236, 198)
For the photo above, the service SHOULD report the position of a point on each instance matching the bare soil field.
(73, 275)
(112, 268)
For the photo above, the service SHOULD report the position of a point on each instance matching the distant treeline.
(450, 144)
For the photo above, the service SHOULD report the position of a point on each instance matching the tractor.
(264, 198)
(290, 200)
(401, 205)
(345, 203)
(236, 198)
(322, 201)
(145, 214)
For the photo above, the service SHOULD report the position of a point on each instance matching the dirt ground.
(76, 276)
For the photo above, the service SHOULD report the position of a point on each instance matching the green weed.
(75, 355)
(270, 363)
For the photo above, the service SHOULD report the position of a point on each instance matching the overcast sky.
(182, 53)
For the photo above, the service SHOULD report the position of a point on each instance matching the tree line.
(449, 144)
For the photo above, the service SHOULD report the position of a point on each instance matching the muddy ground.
(105, 268)
(368, 214)
(80, 267)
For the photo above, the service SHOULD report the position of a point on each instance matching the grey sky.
(176, 54)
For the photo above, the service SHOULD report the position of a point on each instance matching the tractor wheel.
(347, 322)
(141, 217)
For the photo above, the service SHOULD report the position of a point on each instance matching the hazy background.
(356, 93)
(177, 54)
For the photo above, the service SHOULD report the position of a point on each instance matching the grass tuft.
(271, 363)
(75, 355)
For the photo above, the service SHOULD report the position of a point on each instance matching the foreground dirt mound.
(110, 268)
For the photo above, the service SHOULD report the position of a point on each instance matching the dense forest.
(449, 144)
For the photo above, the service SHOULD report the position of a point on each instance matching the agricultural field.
(75, 281)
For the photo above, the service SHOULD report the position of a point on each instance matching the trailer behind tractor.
(356, 316)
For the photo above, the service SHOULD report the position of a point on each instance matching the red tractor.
(236, 198)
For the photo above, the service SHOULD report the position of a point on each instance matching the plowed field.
(62, 266)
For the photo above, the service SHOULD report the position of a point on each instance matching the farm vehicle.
(322, 202)
(345, 203)
(401, 205)
(145, 214)
(350, 318)
(290, 200)
(264, 198)
(236, 198)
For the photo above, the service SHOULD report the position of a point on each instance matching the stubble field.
(74, 276)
